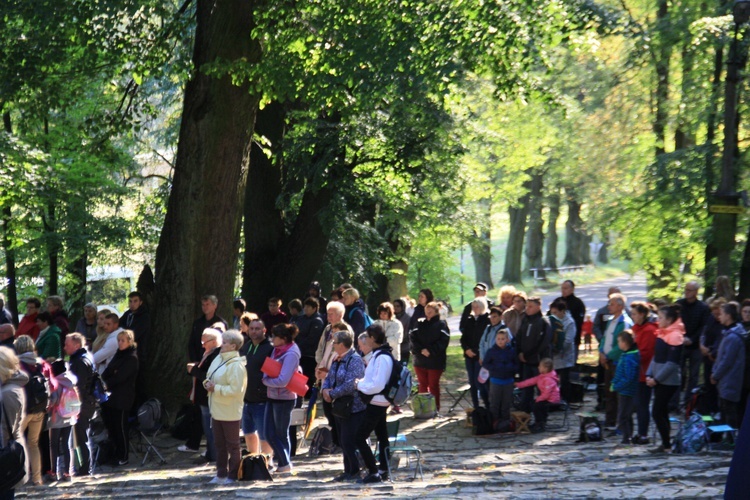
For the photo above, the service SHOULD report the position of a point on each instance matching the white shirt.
(103, 356)
(377, 374)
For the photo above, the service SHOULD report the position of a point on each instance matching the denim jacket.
(341, 377)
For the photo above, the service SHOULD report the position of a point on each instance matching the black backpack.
(322, 442)
(253, 468)
(481, 422)
(37, 391)
(150, 415)
(591, 430)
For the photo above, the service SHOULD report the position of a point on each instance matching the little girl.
(549, 393)
(63, 413)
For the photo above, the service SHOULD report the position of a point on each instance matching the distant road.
(593, 295)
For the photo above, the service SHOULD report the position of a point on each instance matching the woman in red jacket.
(645, 338)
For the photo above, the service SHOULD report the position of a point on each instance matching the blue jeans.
(206, 423)
(477, 389)
(347, 429)
(253, 416)
(642, 402)
(276, 423)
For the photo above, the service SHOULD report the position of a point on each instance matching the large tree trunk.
(662, 55)
(603, 255)
(710, 252)
(550, 254)
(198, 247)
(481, 246)
(52, 241)
(744, 291)
(263, 222)
(576, 239)
(514, 252)
(11, 296)
(277, 263)
(535, 232)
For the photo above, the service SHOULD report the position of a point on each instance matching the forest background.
(245, 148)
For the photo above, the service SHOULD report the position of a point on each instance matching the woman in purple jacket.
(280, 399)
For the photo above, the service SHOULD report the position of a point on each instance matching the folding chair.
(149, 435)
(723, 430)
(394, 438)
(460, 394)
(565, 425)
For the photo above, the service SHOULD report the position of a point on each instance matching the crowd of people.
(245, 379)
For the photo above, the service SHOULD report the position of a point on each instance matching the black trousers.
(328, 411)
(660, 411)
(117, 426)
(373, 420)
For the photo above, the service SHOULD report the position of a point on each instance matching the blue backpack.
(367, 318)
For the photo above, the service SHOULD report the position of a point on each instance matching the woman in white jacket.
(394, 330)
(225, 382)
(377, 374)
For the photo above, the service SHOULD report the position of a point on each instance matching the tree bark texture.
(576, 239)
(603, 255)
(550, 254)
(514, 253)
(11, 296)
(662, 54)
(535, 232)
(283, 262)
(199, 243)
(481, 247)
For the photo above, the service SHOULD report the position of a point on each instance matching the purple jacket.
(289, 366)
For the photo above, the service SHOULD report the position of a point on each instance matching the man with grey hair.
(209, 303)
(609, 354)
(7, 332)
(694, 314)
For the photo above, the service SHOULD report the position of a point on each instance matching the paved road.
(594, 295)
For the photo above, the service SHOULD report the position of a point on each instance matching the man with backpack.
(82, 366)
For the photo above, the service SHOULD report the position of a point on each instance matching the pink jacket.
(547, 385)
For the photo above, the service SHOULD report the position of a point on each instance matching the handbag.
(342, 407)
(12, 457)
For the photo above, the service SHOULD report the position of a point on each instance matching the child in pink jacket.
(549, 393)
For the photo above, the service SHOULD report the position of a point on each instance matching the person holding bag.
(348, 408)
(225, 383)
(280, 398)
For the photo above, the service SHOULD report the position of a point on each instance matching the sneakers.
(660, 449)
(286, 469)
(383, 475)
(185, 449)
(123, 462)
(345, 476)
(50, 477)
(219, 480)
(371, 478)
(537, 428)
(396, 410)
(66, 478)
(641, 440)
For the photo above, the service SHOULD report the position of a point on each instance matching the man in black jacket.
(576, 307)
(82, 366)
(209, 303)
(694, 314)
(532, 344)
(310, 326)
(480, 290)
(255, 394)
